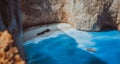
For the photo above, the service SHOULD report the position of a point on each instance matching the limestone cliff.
(88, 15)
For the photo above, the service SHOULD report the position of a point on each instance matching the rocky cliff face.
(118, 19)
(88, 15)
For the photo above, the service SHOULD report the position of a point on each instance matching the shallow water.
(67, 49)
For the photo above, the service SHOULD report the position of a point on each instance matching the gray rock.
(91, 49)
(88, 15)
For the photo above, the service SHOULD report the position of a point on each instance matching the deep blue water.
(64, 49)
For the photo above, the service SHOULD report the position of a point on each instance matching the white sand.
(33, 31)
(82, 38)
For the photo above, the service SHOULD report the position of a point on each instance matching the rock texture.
(8, 52)
(88, 15)
(118, 18)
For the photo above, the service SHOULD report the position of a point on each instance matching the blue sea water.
(64, 49)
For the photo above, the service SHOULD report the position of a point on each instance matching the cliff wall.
(88, 15)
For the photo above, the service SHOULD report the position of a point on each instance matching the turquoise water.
(64, 49)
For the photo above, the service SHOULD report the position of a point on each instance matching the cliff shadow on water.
(60, 49)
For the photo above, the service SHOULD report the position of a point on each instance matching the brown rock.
(119, 27)
(88, 15)
(8, 50)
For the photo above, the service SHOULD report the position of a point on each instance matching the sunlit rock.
(8, 52)
(88, 15)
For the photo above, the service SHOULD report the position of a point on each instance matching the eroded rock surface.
(8, 52)
(88, 15)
